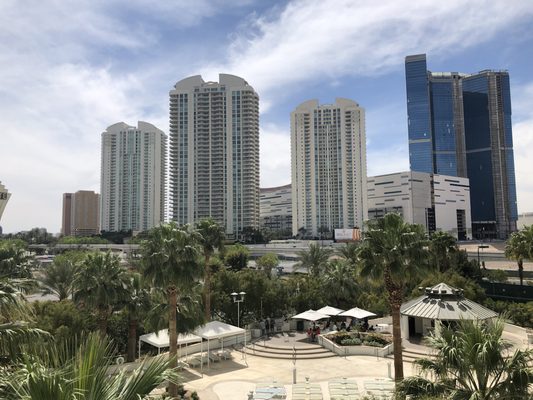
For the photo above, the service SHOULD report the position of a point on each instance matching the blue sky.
(71, 68)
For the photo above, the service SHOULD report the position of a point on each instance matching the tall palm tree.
(394, 251)
(472, 362)
(171, 261)
(82, 373)
(519, 246)
(441, 246)
(314, 259)
(350, 252)
(57, 278)
(211, 239)
(339, 282)
(136, 304)
(100, 284)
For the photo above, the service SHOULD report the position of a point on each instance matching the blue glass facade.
(445, 160)
(419, 114)
(447, 132)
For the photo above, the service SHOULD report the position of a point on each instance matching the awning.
(358, 313)
(328, 310)
(160, 339)
(310, 315)
(218, 330)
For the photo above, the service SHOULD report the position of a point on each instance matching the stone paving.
(234, 379)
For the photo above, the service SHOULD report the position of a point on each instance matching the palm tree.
(171, 261)
(394, 251)
(14, 260)
(136, 304)
(441, 246)
(350, 252)
(211, 239)
(100, 283)
(58, 277)
(314, 259)
(16, 337)
(339, 282)
(82, 373)
(520, 247)
(472, 362)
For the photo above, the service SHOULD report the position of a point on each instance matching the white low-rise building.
(437, 202)
(4, 198)
(524, 219)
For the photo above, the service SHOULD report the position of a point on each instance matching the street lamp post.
(238, 301)
(481, 246)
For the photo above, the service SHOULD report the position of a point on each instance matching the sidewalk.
(235, 379)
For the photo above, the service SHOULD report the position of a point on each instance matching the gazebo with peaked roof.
(439, 303)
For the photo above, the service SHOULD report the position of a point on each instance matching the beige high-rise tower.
(81, 213)
(214, 152)
(328, 155)
(132, 177)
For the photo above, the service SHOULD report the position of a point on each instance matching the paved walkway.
(234, 379)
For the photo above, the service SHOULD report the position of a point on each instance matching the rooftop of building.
(273, 189)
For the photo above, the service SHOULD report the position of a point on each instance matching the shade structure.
(218, 330)
(310, 315)
(443, 302)
(160, 338)
(328, 310)
(358, 313)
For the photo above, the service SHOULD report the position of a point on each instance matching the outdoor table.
(225, 354)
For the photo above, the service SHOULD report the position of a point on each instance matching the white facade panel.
(437, 202)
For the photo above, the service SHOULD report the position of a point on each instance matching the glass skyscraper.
(460, 125)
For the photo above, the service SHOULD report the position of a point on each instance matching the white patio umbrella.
(310, 315)
(357, 312)
(331, 311)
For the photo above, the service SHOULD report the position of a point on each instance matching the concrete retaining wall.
(360, 350)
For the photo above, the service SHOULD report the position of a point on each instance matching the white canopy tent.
(331, 311)
(209, 331)
(310, 315)
(160, 339)
(358, 313)
(218, 330)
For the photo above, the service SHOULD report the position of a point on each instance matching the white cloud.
(388, 160)
(522, 98)
(275, 155)
(71, 68)
(523, 144)
(326, 39)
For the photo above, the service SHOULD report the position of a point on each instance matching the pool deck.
(234, 379)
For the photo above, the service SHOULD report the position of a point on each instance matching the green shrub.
(377, 338)
(351, 342)
(373, 343)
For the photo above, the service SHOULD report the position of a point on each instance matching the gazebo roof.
(443, 302)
